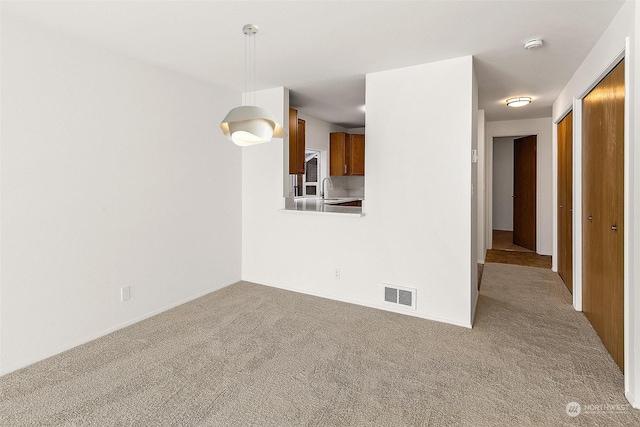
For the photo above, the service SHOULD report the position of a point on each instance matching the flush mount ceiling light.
(249, 124)
(533, 44)
(519, 101)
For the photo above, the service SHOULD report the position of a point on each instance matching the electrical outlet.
(125, 293)
(336, 273)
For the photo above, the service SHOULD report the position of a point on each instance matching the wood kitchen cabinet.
(357, 203)
(357, 155)
(346, 154)
(296, 143)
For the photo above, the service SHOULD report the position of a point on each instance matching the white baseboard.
(634, 403)
(107, 331)
(475, 307)
(364, 304)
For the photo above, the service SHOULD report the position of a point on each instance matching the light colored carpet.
(253, 355)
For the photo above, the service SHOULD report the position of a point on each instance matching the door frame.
(577, 112)
(524, 131)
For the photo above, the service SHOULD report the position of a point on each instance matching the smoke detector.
(533, 44)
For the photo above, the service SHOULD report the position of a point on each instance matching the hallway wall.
(503, 183)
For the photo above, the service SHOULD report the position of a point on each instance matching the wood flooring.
(528, 259)
(505, 252)
(503, 240)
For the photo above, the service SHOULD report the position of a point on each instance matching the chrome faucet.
(322, 193)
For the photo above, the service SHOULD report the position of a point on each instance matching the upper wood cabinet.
(337, 152)
(357, 155)
(346, 154)
(296, 143)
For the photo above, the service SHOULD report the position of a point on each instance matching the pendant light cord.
(253, 66)
(246, 69)
(249, 69)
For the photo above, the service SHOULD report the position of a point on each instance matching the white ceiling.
(321, 50)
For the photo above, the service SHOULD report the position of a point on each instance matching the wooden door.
(524, 192)
(565, 200)
(357, 155)
(603, 209)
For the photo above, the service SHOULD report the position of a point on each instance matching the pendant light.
(250, 124)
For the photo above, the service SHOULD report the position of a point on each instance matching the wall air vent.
(399, 296)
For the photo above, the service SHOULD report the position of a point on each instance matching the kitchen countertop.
(326, 206)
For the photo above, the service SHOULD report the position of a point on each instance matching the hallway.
(532, 310)
(505, 252)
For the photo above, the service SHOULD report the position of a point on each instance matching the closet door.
(565, 200)
(603, 209)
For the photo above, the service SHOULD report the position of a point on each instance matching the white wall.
(544, 214)
(473, 261)
(317, 132)
(114, 173)
(601, 57)
(620, 38)
(419, 242)
(632, 296)
(503, 183)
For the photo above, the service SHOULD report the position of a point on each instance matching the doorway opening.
(514, 193)
(311, 178)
